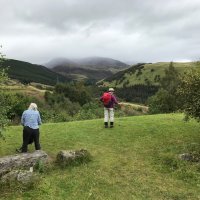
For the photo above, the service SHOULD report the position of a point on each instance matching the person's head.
(111, 90)
(33, 106)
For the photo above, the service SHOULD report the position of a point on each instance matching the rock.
(25, 177)
(185, 156)
(73, 157)
(21, 161)
(22, 176)
(192, 157)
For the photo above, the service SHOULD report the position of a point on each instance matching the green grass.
(137, 159)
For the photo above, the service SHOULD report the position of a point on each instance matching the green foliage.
(59, 108)
(51, 115)
(76, 92)
(162, 102)
(189, 92)
(136, 93)
(166, 100)
(40, 166)
(16, 104)
(3, 104)
(3, 74)
(4, 108)
(170, 81)
(90, 110)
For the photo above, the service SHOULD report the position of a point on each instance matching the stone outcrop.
(22, 176)
(19, 167)
(21, 161)
(73, 157)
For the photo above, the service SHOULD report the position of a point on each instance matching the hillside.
(144, 73)
(137, 159)
(78, 73)
(27, 72)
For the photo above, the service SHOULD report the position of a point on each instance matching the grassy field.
(137, 159)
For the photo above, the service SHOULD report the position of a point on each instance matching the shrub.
(189, 92)
(161, 102)
(3, 106)
(3, 113)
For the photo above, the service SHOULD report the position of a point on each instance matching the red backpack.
(106, 98)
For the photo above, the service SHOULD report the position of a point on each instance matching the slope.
(27, 72)
(144, 73)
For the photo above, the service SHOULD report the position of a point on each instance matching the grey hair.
(33, 106)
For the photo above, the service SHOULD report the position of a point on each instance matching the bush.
(166, 100)
(189, 92)
(91, 110)
(3, 106)
(3, 113)
(162, 102)
(53, 116)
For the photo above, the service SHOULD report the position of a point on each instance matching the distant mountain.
(90, 62)
(101, 62)
(27, 72)
(60, 62)
(95, 68)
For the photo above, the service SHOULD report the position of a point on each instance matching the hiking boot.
(106, 124)
(111, 124)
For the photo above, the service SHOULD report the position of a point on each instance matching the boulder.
(22, 176)
(21, 161)
(73, 157)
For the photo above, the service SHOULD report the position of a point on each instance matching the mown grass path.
(137, 159)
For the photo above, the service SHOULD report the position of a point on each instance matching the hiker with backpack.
(109, 100)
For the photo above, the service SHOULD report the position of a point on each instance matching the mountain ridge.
(87, 62)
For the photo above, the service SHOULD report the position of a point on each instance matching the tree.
(3, 106)
(161, 102)
(170, 81)
(165, 100)
(189, 92)
(3, 74)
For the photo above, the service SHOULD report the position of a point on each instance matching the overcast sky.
(127, 30)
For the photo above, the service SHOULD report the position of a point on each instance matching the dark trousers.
(29, 133)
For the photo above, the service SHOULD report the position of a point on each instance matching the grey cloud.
(149, 30)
